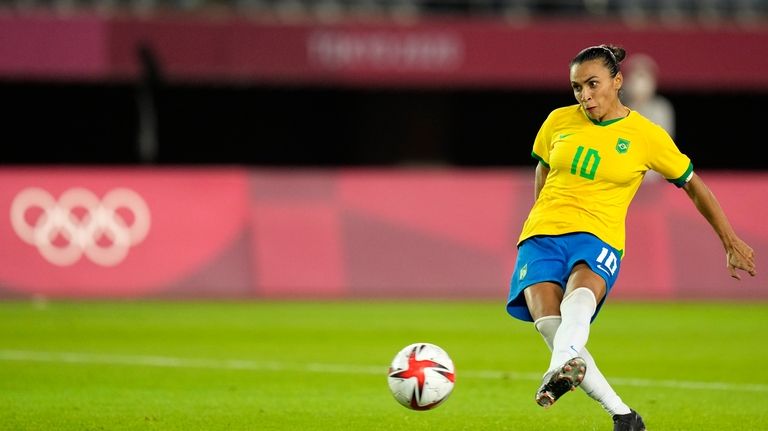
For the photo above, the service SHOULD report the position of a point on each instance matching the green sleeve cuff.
(537, 157)
(683, 179)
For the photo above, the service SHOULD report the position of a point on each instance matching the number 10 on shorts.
(607, 260)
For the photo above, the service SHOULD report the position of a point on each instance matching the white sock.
(547, 327)
(594, 384)
(597, 387)
(576, 310)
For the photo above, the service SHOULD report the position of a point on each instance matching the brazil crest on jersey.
(595, 171)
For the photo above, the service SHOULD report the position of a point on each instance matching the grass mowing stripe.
(240, 364)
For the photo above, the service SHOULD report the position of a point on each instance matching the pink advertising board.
(424, 53)
(115, 232)
(346, 233)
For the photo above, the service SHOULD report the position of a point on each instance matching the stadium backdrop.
(425, 53)
(345, 233)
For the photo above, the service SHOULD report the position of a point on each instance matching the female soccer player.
(592, 157)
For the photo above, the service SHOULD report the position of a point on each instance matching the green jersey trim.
(606, 122)
(537, 157)
(601, 123)
(683, 179)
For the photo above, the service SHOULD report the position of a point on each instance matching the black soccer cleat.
(628, 422)
(559, 381)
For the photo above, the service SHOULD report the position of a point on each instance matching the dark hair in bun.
(611, 56)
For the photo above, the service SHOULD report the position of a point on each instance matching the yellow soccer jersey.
(595, 171)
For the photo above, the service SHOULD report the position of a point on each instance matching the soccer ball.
(421, 376)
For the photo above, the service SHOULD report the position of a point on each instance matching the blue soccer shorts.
(551, 258)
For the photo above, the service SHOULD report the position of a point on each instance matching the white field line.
(239, 364)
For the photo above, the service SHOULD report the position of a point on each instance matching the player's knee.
(543, 299)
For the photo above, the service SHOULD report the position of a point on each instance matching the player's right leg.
(628, 422)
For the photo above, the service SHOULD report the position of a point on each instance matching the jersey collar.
(603, 123)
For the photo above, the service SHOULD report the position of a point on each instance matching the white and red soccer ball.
(421, 376)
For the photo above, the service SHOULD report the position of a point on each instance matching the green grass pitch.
(322, 366)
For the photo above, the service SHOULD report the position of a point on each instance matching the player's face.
(595, 89)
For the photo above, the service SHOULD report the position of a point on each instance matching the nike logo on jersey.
(565, 135)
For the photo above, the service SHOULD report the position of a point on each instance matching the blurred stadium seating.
(667, 10)
(377, 82)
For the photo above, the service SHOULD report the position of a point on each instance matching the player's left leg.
(567, 368)
(544, 299)
(560, 381)
(595, 383)
(576, 310)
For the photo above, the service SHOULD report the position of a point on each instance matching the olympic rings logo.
(79, 223)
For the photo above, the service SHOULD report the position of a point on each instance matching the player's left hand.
(740, 256)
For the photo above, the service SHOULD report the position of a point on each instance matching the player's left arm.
(739, 255)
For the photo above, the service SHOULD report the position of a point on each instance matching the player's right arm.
(540, 179)
(540, 152)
